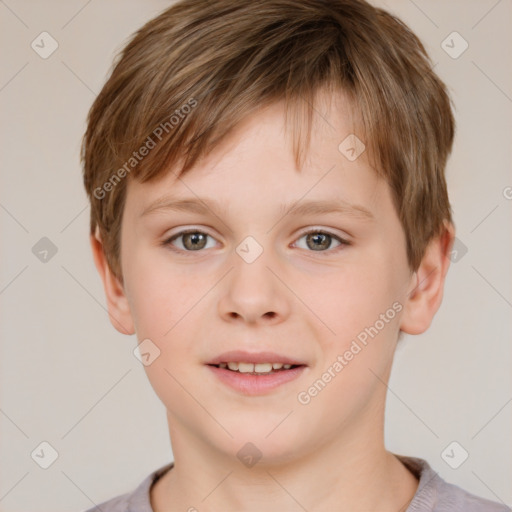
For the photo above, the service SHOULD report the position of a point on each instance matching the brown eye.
(194, 241)
(320, 241)
(191, 240)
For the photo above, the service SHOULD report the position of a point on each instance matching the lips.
(255, 373)
(240, 356)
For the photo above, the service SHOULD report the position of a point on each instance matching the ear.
(118, 307)
(427, 283)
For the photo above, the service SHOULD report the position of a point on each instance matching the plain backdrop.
(68, 378)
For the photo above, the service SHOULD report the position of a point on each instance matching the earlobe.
(117, 302)
(427, 284)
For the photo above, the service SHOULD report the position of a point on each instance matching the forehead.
(255, 164)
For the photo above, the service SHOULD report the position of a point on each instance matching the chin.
(253, 438)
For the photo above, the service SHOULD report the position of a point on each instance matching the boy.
(268, 278)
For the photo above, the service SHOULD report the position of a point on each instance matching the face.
(232, 269)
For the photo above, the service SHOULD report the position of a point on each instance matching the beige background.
(68, 378)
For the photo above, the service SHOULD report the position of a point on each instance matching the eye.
(193, 240)
(320, 241)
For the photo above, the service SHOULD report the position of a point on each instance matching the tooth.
(233, 366)
(263, 367)
(223, 365)
(277, 366)
(287, 366)
(245, 367)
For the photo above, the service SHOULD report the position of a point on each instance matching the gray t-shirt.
(433, 494)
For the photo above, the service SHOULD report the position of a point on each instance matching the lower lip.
(249, 384)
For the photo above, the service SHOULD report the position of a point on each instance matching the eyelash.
(342, 241)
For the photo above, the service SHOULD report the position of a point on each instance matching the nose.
(253, 294)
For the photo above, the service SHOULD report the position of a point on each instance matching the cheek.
(350, 299)
(361, 309)
(164, 304)
(360, 306)
(160, 294)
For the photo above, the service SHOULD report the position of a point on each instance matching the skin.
(294, 300)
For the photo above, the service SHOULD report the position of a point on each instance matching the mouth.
(255, 374)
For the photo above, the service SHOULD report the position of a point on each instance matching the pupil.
(195, 239)
(319, 237)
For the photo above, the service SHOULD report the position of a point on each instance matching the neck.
(349, 472)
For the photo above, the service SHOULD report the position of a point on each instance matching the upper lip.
(240, 356)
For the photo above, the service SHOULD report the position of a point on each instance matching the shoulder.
(136, 501)
(436, 495)
(117, 504)
(452, 497)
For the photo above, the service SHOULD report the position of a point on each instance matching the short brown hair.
(224, 59)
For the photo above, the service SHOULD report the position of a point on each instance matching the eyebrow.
(312, 207)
